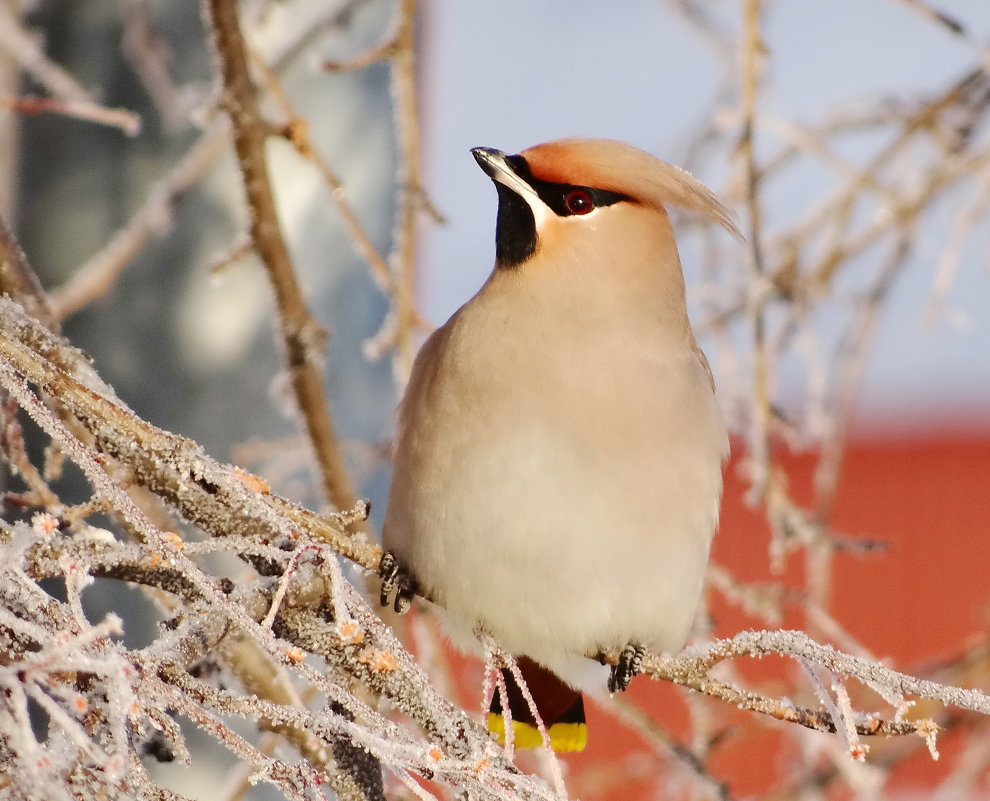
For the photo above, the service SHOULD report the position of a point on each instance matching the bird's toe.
(396, 579)
(630, 663)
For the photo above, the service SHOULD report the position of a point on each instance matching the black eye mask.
(556, 196)
(515, 229)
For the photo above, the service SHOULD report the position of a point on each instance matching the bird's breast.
(558, 485)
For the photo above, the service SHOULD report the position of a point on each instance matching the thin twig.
(762, 468)
(666, 745)
(18, 280)
(411, 193)
(296, 131)
(97, 275)
(24, 49)
(126, 121)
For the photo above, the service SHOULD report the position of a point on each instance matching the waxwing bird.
(559, 450)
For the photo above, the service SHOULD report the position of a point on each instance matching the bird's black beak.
(492, 161)
(498, 166)
(515, 229)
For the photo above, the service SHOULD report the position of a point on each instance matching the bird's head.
(574, 199)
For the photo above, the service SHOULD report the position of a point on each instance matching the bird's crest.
(618, 167)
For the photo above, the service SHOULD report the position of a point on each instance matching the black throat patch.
(515, 229)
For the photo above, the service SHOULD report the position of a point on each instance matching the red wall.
(923, 598)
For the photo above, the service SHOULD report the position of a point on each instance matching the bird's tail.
(560, 707)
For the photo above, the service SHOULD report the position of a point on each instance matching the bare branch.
(301, 335)
(97, 275)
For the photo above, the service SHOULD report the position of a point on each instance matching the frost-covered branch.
(301, 593)
(692, 669)
(309, 605)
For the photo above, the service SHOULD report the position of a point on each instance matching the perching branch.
(229, 503)
(223, 500)
(312, 609)
(692, 669)
(402, 322)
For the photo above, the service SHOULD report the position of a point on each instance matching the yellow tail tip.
(564, 737)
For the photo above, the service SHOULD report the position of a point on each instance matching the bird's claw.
(397, 579)
(630, 663)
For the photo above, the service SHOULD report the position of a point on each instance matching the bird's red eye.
(578, 201)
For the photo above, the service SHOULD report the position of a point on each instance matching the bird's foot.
(397, 579)
(630, 663)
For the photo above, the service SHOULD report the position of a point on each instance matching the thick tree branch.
(301, 335)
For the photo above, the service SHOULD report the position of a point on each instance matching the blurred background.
(872, 185)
